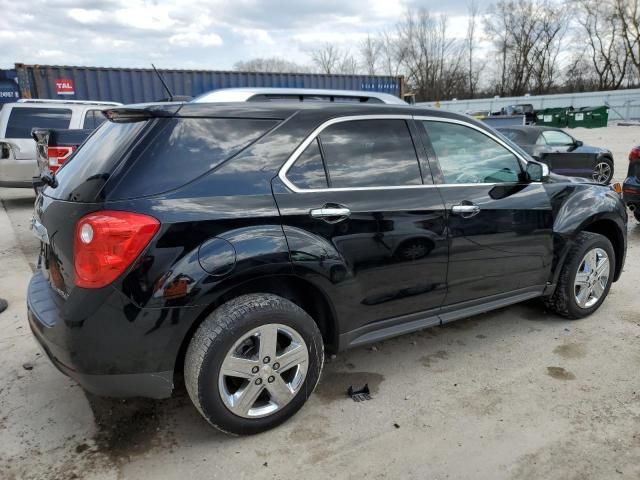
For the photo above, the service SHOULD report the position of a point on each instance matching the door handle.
(466, 211)
(330, 214)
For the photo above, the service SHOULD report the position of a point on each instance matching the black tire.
(636, 213)
(563, 301)
(609, 162)
(215, 337)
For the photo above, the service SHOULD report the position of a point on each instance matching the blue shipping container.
(137, 85)
(9, 91)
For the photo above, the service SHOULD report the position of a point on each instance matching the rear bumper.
(631, 191)
(46, 323)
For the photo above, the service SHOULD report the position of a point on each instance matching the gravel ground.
(516, 393)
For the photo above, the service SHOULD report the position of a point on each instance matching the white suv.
(18, 150)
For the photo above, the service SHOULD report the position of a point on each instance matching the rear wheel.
(585, 278)
(603, 171)
(636, 213)
(253, 363)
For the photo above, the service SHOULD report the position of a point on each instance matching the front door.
(563, 155)
(364, 222)
(499, 224)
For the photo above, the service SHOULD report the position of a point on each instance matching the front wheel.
(585, 278)
(253, 363)
(603, 171)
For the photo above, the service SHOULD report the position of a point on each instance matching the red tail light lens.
(57, 156)
(106, 243)
(634, 155)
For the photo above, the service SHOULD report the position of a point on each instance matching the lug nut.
(258, 381)
(276, 366)
(271, 379)
(255, 369)
(266, 359)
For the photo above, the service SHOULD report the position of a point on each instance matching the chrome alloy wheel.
(602, 173)
(263, 371)
(592, 278)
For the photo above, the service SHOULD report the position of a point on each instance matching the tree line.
(511, 48)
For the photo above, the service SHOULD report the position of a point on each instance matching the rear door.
(499, 224)
(364, 222)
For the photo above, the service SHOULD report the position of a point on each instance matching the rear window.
(22, 120)
(156, 155)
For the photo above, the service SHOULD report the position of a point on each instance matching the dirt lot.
(517, 393)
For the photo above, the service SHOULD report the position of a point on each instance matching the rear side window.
(370, 153)
(22, 120)
(93, 119)
(308, 171)
(179, 150)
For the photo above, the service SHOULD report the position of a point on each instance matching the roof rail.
(76, 102)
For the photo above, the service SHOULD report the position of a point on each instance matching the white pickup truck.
(18, 156)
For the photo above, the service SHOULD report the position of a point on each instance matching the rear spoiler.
(134, 113)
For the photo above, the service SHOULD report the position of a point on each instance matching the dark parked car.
(564, 154)
(631, 186)
(238, 242)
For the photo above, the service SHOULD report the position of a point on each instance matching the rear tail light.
(634, 155)
(106, 243)
(57, 156)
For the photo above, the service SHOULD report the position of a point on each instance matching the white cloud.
(85, 16)
(193, 39)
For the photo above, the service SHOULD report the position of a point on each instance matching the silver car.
(18, 150)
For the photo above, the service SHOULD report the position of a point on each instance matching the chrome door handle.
(328, 212)
(466, 210)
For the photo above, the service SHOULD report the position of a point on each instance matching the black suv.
(235, 243)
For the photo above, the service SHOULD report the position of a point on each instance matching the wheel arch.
(296, 289)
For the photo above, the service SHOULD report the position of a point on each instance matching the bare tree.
(552, 28)
(348, 64)
(392, 54)
(472, 74)
(431, 60)
(271, 64)
(628, 13)
(527, 35)
(369, 50)
(602, 29)
(327, 58)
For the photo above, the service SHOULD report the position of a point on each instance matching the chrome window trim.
(282, 174)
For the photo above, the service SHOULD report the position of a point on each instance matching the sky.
(194, 34)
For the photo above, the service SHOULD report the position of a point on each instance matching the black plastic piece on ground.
(3, 304)
(361, 394)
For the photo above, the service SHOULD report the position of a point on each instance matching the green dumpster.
(552, 117)
(589, 117)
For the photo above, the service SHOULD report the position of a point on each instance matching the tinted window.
(22, 120)
(308, 171)
(179, 150)
(554, 137)
(93, 119)
(370, 153)
(86, 172)
(466, 155)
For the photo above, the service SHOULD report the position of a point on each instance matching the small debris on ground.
(27, 366)
(396, 425)
(359, 394)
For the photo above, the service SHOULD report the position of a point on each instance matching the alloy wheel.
(602, 173)
(592, 278)
(263, 371)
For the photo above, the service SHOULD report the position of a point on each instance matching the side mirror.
(537, 172)
(579, 143)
